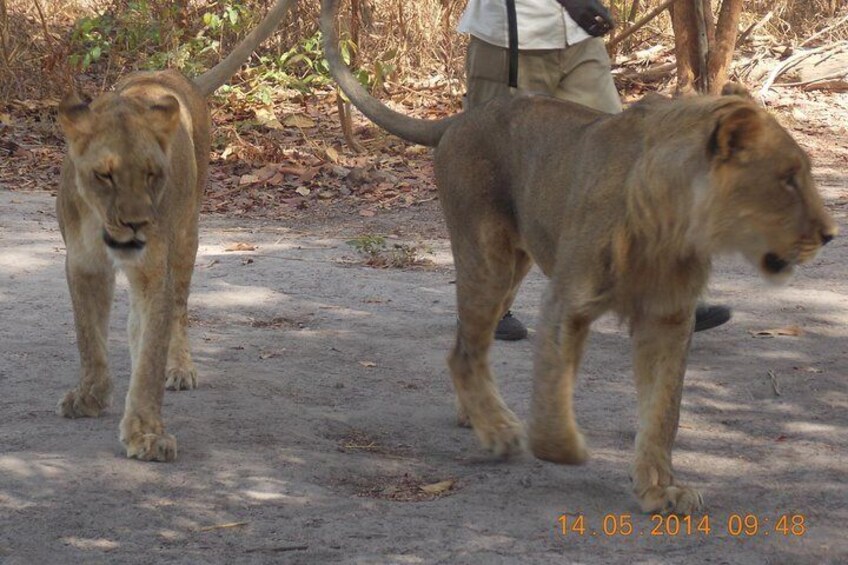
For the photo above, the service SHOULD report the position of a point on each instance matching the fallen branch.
(794, 60)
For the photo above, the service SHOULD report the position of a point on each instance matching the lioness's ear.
(164, 116)
(74, 117)
(736, 132)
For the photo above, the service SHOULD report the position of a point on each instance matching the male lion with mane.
(622, 213)
(129, 197)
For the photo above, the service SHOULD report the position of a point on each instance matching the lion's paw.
(502, 435)
(462, 419)
(152, 447)
(78, 404)
(181, 378)
(566, 449)
(670, 500)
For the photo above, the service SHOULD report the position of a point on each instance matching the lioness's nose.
(826, 237)
(135, 225)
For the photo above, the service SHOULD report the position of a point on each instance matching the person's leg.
(586, 77)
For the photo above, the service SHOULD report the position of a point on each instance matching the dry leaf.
(299, 121)
(241, 246)
(808, 369)
(791, 331)
(265, 116)
(248, 179)
(332, 154)
(367, 213)
(438, 488)
(368, 363)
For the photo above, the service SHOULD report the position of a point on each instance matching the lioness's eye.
(103, 177)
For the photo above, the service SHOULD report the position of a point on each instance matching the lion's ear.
(164, 117)
(736, 132)
(75, 117)
(731, 88)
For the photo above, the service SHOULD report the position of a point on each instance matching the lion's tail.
(425, 132)
(215, 77)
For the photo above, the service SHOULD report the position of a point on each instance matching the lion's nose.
(826, 237)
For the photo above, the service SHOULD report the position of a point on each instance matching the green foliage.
(378, 254)
(368, 244)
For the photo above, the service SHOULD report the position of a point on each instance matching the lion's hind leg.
(488, 271)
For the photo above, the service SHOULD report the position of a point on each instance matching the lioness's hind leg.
(660, 349)
(181, 373)
(484, 280)
(91, 282)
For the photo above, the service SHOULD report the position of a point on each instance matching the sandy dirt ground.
(323, 427)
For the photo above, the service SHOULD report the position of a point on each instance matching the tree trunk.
(704, 49)
(721, 53)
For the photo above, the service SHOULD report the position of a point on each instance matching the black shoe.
(510, 329)
(709, 316)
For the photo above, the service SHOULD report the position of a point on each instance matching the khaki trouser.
(580, 73)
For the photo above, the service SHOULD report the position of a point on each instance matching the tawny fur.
(622, 213)
(134, 176)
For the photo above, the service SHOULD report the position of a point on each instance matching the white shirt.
(542, 24)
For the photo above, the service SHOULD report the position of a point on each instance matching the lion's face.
(768, 205)
(119, 149)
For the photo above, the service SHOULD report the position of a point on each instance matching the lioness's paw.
(152, 447)
(180, 378)
(568, 448)
(144, 437)
(503, 434)
(670, 500)
(77, 404)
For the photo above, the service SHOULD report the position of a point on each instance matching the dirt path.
(325, 405)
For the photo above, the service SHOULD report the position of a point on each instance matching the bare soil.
(323, 427)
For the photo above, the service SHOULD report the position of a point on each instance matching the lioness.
(623, 213)
(129, 198)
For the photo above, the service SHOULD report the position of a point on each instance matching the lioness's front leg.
(554, 434)
(180, 371)
(661, 345)
(142, 431)
(91, 282)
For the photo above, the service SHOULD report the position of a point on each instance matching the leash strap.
(512, 25)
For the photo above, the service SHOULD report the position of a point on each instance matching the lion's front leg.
(91, 282)
(554, 434)
(142, 431)
(660, 349)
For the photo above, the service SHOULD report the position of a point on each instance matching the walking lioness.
(129, 198)
(622, 213)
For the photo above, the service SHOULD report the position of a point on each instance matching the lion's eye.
(152, 178)
(790, 183)
(103, 177)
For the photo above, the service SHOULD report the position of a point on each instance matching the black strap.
(512, 24)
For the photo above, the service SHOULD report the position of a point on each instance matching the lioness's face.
(119, 149)
(770, 208)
